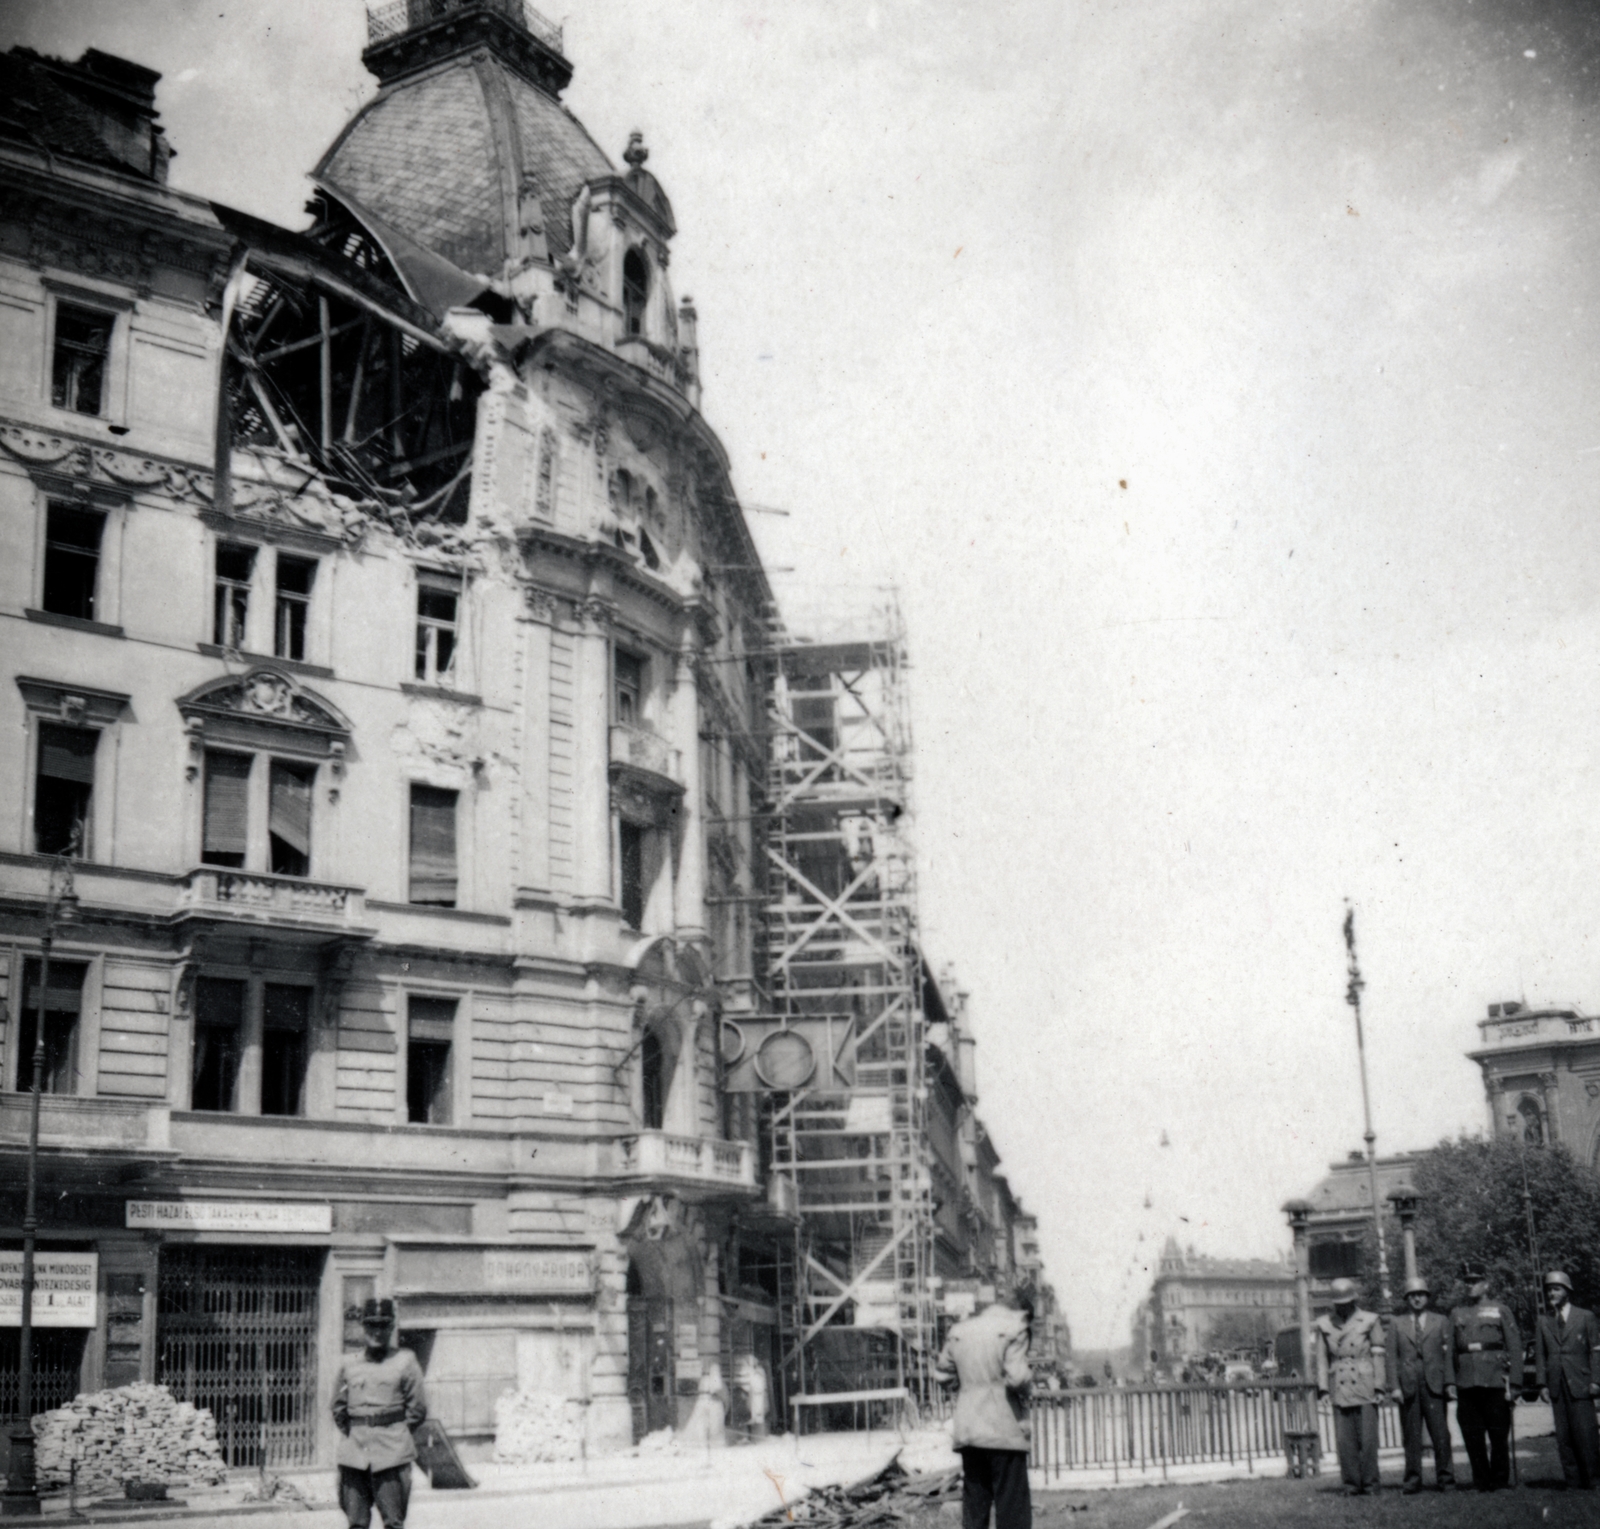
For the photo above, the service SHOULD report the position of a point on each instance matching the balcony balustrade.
(687, 1163)
(642, 748)
(285, 901)
(391, 18)
(1525, 1027)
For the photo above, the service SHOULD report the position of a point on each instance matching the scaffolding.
(842, 1063)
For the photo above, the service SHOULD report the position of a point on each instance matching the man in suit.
(1566, 1355)
(986, 1356)
(1350, 1369)
(1488, 1363)
(1422, 1372)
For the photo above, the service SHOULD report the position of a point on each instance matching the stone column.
(593, 878)
(689, 880)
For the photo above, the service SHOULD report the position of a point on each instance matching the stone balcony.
(642, 748)
(694, 1167)
(214, 893)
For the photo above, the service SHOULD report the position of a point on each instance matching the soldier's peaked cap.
(378, 1309)
(1472, 1271)
(1557, 1277)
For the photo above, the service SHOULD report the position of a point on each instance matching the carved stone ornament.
(69, 458)
(264, 697)
(540, 604)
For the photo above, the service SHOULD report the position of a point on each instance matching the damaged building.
(397, 727)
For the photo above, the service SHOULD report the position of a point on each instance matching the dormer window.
(635, 291)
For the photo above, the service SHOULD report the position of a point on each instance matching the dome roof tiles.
(439, 156)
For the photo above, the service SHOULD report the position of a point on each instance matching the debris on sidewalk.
(136, 1432)
(887, 1497)
(535, 1426)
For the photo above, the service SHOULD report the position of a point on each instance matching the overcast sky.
(1217, 381)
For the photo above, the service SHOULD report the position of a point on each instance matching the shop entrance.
(237, 1332)
(650, 1367)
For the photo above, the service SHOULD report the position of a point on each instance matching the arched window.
(635, 291)
(1532, 1120)
(652, 1066)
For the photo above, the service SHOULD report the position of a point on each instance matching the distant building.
(1198, 1304)
(1341, 1218)
(1541, 1076)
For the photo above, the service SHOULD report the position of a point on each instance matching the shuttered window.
(63, 1002)
(64, 789)
(431, 1026)
(433, 847)
(227, 809)
(289, 817)
(218, 1030)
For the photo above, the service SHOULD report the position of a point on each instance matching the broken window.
(218, 1027)
(295, 576)
(430, 1034)
(433, 847)
(631, 847)
(285, 1028)
(63, 1003)
(64, 789)
(635, 291)
(235, 566)
(437, 605)
(225, 832)
(82, 347)
(71, 560)
(289, 817)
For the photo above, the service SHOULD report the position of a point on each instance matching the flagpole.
(1352, 997)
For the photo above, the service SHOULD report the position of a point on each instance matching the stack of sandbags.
(530, 1426)
(132, 1433)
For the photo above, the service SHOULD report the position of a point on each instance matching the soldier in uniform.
(1488, 1360)
(377, 1401)
(1350, 1369)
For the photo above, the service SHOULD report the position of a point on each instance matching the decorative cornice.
(65, 463)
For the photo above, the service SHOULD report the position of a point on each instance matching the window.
(653, 1070)
(433, 847)
(71, 560)
(83, 344)
(63, 1003)
(285, 1028)
(631, 855)
(431, 1024)
(436, 633)
(295, 576)
(1531, 1121)
(235, 565)
(289, 817)
(64, 793)
(635, 291)
(218, 1027)
(224, 838)
(628, 671)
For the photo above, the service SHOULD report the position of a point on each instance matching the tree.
(1470, 1205)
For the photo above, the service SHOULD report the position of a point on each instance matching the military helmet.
(1557, 1277)
(1417, 1285)
(1342, 1291)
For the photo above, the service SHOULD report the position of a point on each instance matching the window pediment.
(265, 707)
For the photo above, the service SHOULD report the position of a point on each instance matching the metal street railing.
(1141, 1429)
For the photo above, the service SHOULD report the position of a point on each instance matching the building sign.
(440, 1270)
(229, 1216)
(64, 1287)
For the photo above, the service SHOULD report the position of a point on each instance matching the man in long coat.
(1566, 1355)
(987, 1357)
(377, 1401)
(1488, 1361)
(1350, 1369)
(1423, 1376)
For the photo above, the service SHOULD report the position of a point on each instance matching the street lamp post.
(1299, 1214)
(1352, 997)
(1404, 1199)
(21, 1498)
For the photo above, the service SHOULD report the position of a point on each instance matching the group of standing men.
(1473, 1357)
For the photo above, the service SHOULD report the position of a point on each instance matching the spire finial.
(636, 153)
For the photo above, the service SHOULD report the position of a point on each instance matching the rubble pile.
(533, 1426)
(131, 1433)
(888, 1498)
